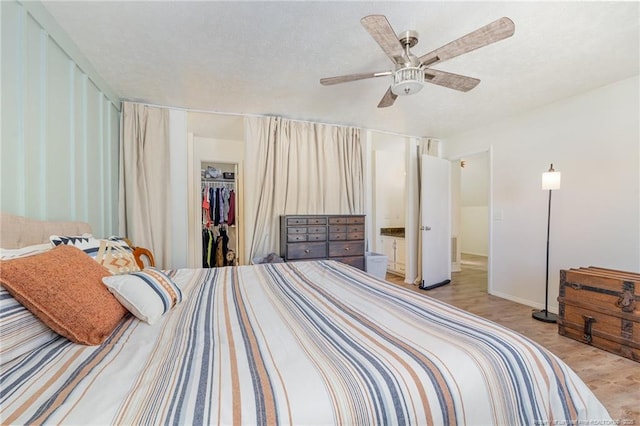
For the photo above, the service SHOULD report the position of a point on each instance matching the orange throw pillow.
(63, 287)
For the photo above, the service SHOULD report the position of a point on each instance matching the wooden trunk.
(601, 307)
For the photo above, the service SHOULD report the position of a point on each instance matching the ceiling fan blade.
(388, 99)
(450, 80)
(382, 32)
(495, 31)
(351, 77)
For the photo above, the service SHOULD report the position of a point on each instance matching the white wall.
(389, 183)
(474, 230)
(60, 125)
(594, 140)
(179, 184)
(474, 205)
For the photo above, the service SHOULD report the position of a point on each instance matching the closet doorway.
(218, 196)
(226, 156)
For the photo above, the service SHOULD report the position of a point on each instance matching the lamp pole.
(550, 181)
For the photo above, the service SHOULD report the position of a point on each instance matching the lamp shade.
(551, 179)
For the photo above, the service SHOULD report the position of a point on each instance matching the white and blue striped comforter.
(308, 343)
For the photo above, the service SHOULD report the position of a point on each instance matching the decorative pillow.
(147, 294)
(63, 288)
(113, 253)
(6, 254)
(21, 331)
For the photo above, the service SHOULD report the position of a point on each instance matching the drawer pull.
(307, 251)
(588, 323)
(346, 248)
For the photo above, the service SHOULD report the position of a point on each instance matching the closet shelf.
(218, 180)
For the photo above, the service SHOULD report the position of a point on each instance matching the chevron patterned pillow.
(113, 253)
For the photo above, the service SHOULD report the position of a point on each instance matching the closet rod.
(219, 184)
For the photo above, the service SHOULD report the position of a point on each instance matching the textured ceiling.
(267, 57)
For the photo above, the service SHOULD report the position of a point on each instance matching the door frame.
(490, 214)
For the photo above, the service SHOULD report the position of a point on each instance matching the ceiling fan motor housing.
(408, 78)
(407, 81)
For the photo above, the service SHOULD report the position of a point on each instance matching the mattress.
(302, 343)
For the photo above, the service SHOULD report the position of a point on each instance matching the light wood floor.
(614, 380)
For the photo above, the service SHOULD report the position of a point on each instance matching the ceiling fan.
(411, 72)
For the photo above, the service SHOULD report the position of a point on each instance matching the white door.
(435, 218)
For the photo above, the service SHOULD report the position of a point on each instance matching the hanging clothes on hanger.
(231, 216)
(218, 212)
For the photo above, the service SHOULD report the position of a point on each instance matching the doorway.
(471, 175)
(227, 155)
(218, 188)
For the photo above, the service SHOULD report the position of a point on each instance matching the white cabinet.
(393, 248)
(400, 255)
(387, 247)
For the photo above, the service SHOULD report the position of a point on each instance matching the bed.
(300, 343)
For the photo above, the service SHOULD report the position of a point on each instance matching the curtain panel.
(296, 167)
(144, 186)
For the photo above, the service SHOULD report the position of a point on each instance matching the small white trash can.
(375, 264)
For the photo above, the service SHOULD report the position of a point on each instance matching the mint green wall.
(60, 125)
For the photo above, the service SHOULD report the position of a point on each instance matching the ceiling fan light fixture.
(407, 81)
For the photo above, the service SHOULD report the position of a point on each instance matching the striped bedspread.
(308, 343)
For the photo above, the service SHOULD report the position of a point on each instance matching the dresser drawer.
(292, 221)
(337, 236)
(317, 229)
(293, 238)
(344, 236)
(317, 220)
(338, 228)
(297, 230)
(317, 237)
(306, 251)
(346, 248)
(338, 220)
(343, 220)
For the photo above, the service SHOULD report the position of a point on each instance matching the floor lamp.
(550, 181)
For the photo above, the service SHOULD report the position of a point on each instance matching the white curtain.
(144, 179)
(295, 167)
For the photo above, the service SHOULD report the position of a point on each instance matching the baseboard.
(525, 302)
(474, 254)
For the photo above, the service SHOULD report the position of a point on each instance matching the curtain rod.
(237, 114)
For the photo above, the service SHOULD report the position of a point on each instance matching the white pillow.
(6, 254)
(147, 294)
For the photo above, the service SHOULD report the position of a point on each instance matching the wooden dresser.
(336, 237)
